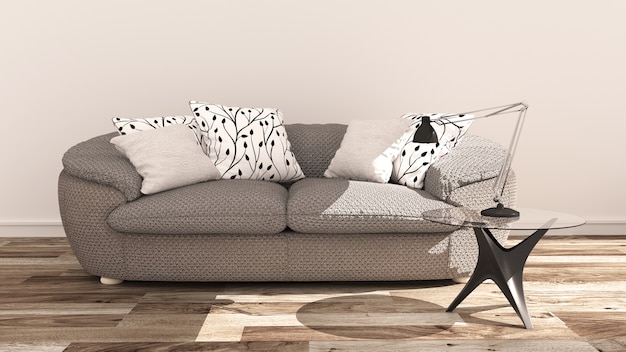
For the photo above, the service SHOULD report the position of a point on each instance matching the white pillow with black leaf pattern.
(414, 159)
(132, 125)
(246, 143)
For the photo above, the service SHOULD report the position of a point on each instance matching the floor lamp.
(425, 133)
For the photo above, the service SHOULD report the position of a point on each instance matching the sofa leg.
(109, 281)
(465, 279)
(461, 279)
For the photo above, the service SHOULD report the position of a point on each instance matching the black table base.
(505, 266)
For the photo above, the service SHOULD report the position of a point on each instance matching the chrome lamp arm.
(426, 134)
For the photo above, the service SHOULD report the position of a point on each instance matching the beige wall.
(67, 67)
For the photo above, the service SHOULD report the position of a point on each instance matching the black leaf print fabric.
(132, 125)
(410, 167)
(246, 143)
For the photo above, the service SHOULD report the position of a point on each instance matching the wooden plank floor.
(575, 288)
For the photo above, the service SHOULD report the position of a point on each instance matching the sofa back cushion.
(314, 145)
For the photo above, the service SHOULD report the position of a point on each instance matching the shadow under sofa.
(315, 229)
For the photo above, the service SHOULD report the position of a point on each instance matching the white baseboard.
(52, 228)
(602, 227)
(55, 228)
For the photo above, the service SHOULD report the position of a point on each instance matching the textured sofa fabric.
(315, 229)
(218, 207)
(319, 205)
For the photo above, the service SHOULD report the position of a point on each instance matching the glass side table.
(505, 266)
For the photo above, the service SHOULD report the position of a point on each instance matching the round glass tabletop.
(529, 219)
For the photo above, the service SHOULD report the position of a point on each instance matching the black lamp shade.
(425, 132)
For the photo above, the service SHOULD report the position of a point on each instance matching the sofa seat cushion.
(319, 205)
(214, 207)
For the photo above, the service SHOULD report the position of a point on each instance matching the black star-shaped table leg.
(505, 266)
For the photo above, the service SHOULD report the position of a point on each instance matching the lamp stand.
(500, 211)
(426, 134)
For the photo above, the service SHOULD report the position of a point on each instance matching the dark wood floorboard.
(575, 288)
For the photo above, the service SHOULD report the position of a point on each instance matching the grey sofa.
(316, 229)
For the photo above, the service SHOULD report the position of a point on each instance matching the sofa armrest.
(84, 207)
(473, 160)
(97, 160)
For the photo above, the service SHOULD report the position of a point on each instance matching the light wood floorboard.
(575, 290)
